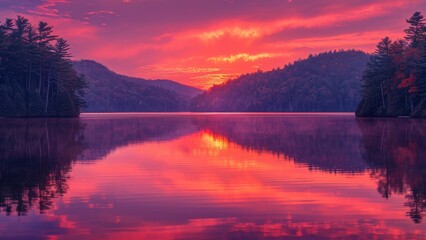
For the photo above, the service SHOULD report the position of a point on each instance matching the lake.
(212, 176)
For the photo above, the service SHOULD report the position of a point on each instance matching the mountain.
(111, 92)
(183, 90)
(327, 82)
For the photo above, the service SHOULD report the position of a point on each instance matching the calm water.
(212, 176)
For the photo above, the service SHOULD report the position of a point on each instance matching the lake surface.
(212, 176)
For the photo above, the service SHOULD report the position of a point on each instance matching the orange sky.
(201, 43)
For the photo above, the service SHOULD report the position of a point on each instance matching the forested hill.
(327, 82)
(110, 92)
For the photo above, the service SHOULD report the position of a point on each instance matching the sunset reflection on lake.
(212, 176)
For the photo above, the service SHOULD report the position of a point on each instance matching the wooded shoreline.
(38, 80)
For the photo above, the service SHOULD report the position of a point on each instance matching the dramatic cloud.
(201, 43)
(243, 57)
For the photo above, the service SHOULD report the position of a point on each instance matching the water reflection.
(213, 177)
(104, 134)
(328, 143)
(35, 161)
(395, 151)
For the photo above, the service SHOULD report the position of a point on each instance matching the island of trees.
(394, 82)
(36, 74)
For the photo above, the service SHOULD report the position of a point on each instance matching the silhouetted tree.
(415, 32)
(377, 85)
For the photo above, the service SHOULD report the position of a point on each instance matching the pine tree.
(376, 81)
(415, 32)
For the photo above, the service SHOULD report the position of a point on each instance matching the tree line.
(394, 82)
(36, 74)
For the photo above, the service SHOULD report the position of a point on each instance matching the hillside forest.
(327, 82)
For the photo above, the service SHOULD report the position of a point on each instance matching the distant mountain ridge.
(327, 82)
(111, 92)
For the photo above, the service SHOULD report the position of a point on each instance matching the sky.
(206, 42)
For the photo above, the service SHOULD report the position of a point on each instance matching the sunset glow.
(224, 177)
(201, 43)
(202, 176)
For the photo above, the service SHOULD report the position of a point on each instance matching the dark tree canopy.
(36, 75)
(327, 82)
(394, 82)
